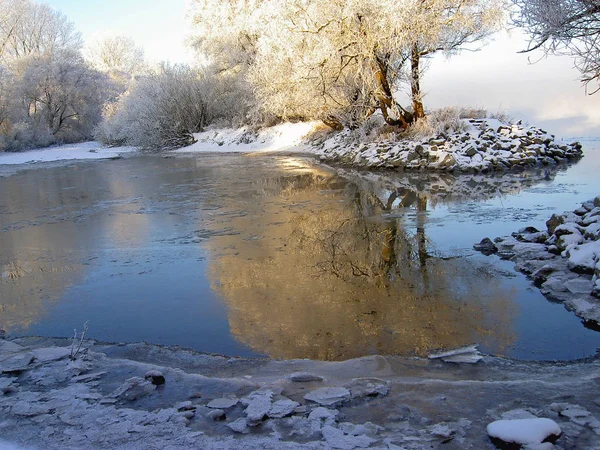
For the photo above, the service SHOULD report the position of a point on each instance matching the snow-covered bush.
(162, 110)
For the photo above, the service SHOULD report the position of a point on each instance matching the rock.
(328, 396)
(553, 222)
(523, 432)
(486, 246)
(239, 426)
(223, 403)
(134, 388)
(216, 414)
(155, 377)
(471, 151)
(282, 408)
(304, 377)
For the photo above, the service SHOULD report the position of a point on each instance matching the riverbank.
(113, 396)
(563, 260)
(472, 145)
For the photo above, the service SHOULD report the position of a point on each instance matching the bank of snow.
(563, 260)
(81, 151)
(283, 137)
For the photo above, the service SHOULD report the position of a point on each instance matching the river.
(279, 256)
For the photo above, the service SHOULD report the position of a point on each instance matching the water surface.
(279, 256)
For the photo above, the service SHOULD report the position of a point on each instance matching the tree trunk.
(415, 83)
(386, 98)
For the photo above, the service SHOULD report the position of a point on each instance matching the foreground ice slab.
(102, 400)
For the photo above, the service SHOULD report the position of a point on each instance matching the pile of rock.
(486, 145)
(564, 260)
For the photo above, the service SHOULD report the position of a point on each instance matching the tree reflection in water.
(327, 268)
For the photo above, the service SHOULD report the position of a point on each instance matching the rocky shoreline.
(563, 260)
(485, 145)
(131, 396)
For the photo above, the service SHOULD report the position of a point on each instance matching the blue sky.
(547, 93)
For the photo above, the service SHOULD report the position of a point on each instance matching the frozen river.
(279, 256)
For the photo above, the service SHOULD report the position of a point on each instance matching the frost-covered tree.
(340, 60)
(54, 100)
(446, 26)
(162, 110)
(116, 55)
(30, 28)
(559, 26)
(226, 33)
(48, 94)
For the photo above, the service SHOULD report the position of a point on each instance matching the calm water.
(278, 256)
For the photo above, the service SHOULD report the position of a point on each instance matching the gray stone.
(553, 222)
(486, 246)
(155, 377)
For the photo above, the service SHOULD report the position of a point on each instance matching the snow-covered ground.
(482, 145)
(283, 137)
(84, 150)
(134, 396)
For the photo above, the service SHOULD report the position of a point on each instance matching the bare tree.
(564, 27)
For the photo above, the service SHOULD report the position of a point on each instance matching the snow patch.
(81, 151)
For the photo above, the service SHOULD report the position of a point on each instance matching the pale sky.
(497, 78)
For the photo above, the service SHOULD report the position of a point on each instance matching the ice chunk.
(328, 396)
